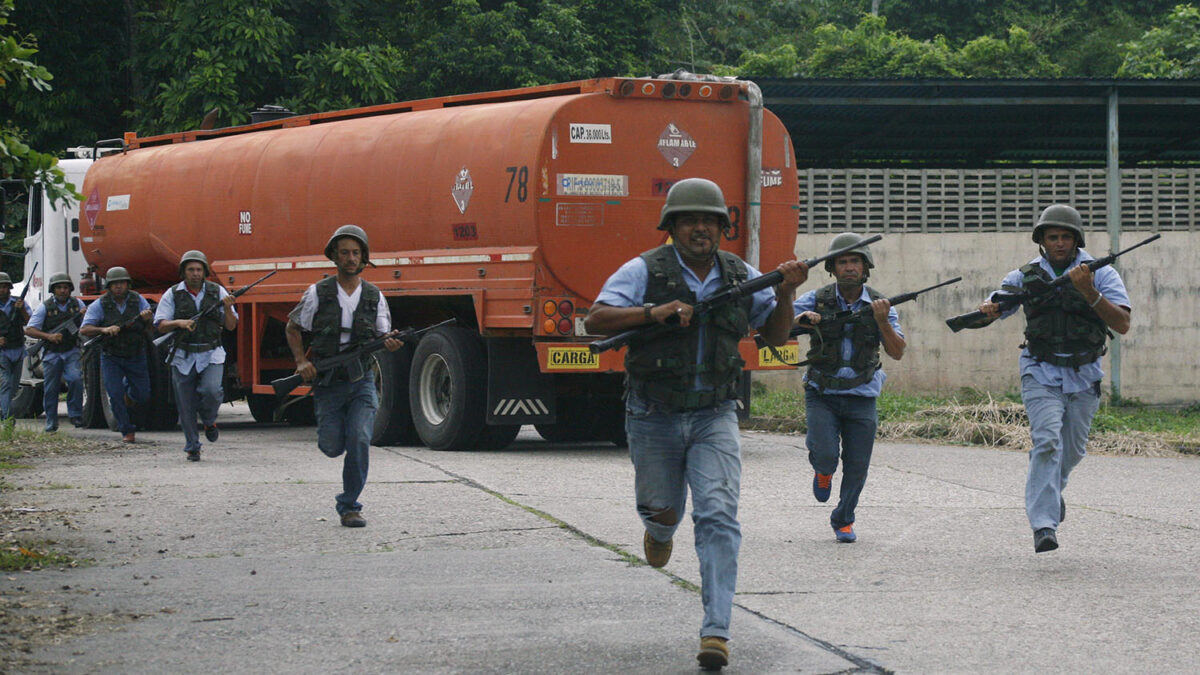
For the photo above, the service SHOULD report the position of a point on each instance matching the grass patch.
(16, 557)
(972, 417)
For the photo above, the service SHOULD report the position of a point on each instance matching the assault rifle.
(326, 367)
(65, 328)
(160, 340)
(724, 296)
(128, 325)
(805, 327)
(21, 298)
(1007, 301)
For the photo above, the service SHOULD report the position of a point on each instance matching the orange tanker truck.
(505, 211)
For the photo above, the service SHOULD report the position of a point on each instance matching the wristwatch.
(647, 307)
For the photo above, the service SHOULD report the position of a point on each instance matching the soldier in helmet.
(197, 356)
(120, 317)
(60, 355)
(13, 315)
(688, 379)
(845, 378)
(342, 313)
(1066, 333)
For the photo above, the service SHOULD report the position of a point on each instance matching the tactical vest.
(825, 350)
(55, 317)
(664, 368)
(207, 335)
(327, 325)
(1060, 322)
(130, 341)
(11, 329)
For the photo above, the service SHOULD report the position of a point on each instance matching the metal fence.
(990, 200)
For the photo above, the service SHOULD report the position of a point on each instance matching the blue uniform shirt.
(627, 288)
(1106, 280)
(872, 387)
(38, 318)
(184, 361)
(95, 313)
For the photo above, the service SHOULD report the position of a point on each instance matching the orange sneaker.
(845, 534)
(821, 486)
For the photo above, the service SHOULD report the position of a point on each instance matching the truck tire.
(93, 392)
(574, 423)
(447, 389)
(393, 419)
(262, 407)
(302, 413)
(27, 401)
(160, 413)
(497, 437)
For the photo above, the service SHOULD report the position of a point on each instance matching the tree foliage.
(1171, 50)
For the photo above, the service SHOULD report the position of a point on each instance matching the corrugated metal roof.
(978, 123)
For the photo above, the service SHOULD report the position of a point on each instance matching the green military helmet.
(848, 239)
(352, 231)
(5, 279)
(193, 256)
(1059, 215)
(695, 194)
(117, 274)
(60, 278)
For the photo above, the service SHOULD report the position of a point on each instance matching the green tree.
(20, 73)
(1171, 50)
(870, 50)
(1015, 57)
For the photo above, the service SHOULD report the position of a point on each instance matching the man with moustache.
(60, 355)
(13, 316)
(343, 313)
(198, 357)
(844, 377)
(1066, 333)
(681, 387)
(121, 316)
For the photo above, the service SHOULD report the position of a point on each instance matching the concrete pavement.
(520, 561)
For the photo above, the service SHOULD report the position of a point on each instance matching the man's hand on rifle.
(306, 370)
(1084, 281)
(676, 308)
(146, 314)
(56, 338)
(990, 309)
(795, 273)
(808, 317)
(392, 344)
(110, 330)
(879, 308)
(19, 304)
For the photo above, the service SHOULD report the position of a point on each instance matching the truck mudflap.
(518, 393)
(560, 357)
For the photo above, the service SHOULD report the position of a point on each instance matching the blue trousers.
(700, 450)
(1059, 424)
(345, 420)
(123, 376)
(10, 379)
(197, 393)
(58, 372)
(845, 423)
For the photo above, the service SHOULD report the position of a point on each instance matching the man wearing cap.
(60, 354)
(342, 313)
(13, 316)
(844, 377)
(198, 357)
(1066, 334)
(120, 317)
(681, 386)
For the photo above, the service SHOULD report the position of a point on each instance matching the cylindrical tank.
(578, 174)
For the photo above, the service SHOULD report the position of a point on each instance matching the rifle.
(724, 296)
(21, 298)
(844, 316)
(128, 325)
(326, 367)
(158, 341)
(67, 327)
(1007, 301)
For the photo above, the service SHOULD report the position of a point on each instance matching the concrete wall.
(1159, 355)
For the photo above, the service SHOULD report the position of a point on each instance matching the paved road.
(522, 561)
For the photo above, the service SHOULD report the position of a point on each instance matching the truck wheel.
(27, 401)
(498, 437)
(93, 392)
(160, 413)
(574, 422)
(393, 419)
(448, 390)
(262, 407)
(302, 413)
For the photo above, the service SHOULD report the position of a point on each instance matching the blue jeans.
(848, 422)
(10, 379)
(197, 393)
(59, 371)
(1059, 424)
(700, 450)
(345, 420)
(123, 376)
